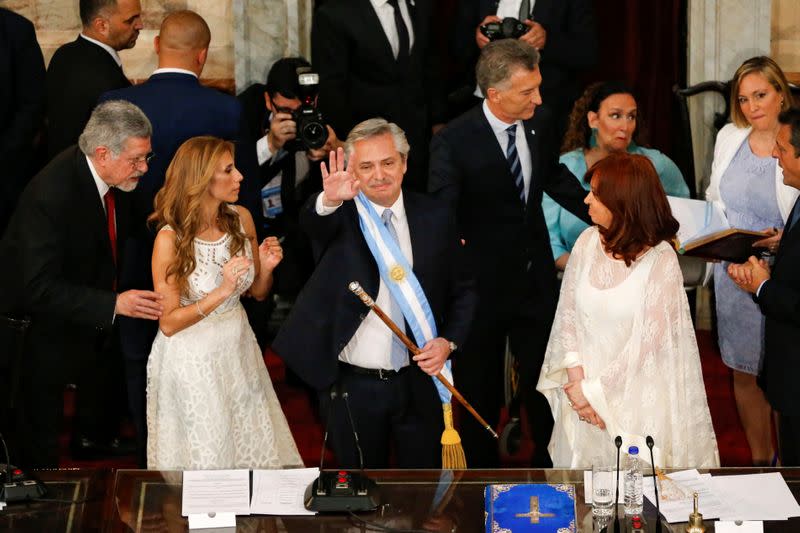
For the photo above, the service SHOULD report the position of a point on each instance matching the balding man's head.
(183, 31)
(183, 41)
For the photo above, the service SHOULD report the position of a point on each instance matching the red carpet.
(307, 430)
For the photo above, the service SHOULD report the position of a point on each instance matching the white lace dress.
(210, 400)
(630, 329)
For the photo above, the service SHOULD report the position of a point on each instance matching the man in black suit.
(776, 289)
(331, 340)
(62, 251)
(376, 59)
(563, 31)
(179, 108)
(21, 105)
(82, 70)
(492, 164)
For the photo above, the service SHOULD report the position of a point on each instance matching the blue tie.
(514, 163)
(399, 355)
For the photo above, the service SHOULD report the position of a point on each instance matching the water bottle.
(633, 483)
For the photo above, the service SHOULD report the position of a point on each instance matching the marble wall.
(269, 28)
(785, 37)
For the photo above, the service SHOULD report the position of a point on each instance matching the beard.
(128, 186)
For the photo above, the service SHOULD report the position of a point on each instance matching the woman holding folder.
(747, 183)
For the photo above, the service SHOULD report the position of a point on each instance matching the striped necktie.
(514, 163)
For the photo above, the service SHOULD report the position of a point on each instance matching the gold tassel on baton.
(452, 452)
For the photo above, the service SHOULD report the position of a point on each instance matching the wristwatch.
(453, 347)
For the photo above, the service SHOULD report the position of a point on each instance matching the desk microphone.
(650, 444)
(618, 444)
(334, 394)
(342, 491)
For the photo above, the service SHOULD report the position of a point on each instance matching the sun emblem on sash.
(397, 273)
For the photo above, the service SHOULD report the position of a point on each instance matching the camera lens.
(314, 134)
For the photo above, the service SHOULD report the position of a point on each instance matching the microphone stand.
(650, 443)
(618, 444)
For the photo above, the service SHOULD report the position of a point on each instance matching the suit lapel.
(92, 204)
(789, 234)
(530, 137)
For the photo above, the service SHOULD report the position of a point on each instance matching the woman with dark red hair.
(622, 357)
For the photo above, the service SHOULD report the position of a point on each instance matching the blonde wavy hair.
(178, 203)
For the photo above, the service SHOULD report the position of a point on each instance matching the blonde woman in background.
(747, 183)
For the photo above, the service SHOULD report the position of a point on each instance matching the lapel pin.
(533, 132)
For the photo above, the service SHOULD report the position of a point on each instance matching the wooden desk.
(141, 500)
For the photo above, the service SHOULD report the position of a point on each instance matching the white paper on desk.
(281, 492)
(739, 526)
(587, 486)
(711, 504)
(756, 497)
(218, 491)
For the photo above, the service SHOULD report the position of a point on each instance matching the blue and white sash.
(401, 281)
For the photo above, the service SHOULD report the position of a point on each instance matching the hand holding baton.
(356, 289)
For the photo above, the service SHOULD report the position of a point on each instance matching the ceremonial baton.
(356, 289)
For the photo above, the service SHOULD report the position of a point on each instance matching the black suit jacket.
(21, 104)
(570, 47)
(78, 74)
(327, 314)
(779, 300)
(179, 108)
(57, 264)
(509, 245)
(360, 78)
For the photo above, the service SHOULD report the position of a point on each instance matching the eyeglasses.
(136, 161)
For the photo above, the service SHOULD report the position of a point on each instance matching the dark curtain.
(644, 44)
(641, 42)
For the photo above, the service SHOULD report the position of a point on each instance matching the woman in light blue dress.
(603, 121)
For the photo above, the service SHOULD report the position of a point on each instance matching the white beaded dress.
(630, 329)
(210, 400)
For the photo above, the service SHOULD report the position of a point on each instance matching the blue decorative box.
(540, 508)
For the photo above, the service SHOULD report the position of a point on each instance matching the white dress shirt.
(170, 70)
(385, 14)
(499, 129)
(102, 186)
(510, 8)
(371, 344)
(105, 47)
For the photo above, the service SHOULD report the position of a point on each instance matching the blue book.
(540, 508)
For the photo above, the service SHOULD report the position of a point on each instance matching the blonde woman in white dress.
(210, 401)
(622, 357)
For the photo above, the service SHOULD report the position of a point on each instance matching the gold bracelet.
(200, 311)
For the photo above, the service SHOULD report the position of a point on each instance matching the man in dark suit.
(563, 31)
(82, 70)
(331, 340)
(62, 251)
(492, 164)
(376, 59)
(179, 108)
(21, 105)
(777, 292)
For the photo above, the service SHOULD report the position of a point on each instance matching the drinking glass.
(602, 488)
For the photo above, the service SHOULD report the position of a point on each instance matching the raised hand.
(270, 254)
(339, 184)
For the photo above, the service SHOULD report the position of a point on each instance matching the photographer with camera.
(563, 31)
(284, 137)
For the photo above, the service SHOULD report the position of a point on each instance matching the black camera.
(312, 132)
(509, 28)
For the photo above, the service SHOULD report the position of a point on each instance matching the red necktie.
(111, 219)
